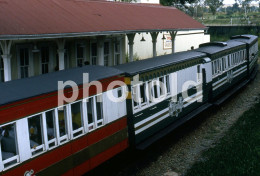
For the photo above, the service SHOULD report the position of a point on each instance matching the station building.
(38, 37)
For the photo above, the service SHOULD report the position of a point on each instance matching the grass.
(237, 153)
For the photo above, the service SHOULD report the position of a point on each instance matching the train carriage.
(252, 51)
(229, 65)
(174, 101)
(40, 137)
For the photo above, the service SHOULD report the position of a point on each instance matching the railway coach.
(252, 52)
(229, 66)
(164, 91)
(39, 137)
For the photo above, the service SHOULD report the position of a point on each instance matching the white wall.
(183, 42)
(187, 39)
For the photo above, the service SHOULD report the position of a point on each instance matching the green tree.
(214, 5)
(245, 4)
(176, 2)
(235, 7)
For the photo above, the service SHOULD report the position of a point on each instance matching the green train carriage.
(251, 42)
(149, 120)
(229, 66)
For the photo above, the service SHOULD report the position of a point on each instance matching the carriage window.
(51, 130)
(228, 61)
(36, 135)
(76, 118)
(198, 73)
(99, 110)
(161, 89)
(217, 66)
(220, 65)
(242, 56)
(155, 89)
(213, 68)
(135, 96)
(232, 60)
(237, 58)
(90, 113)
(224, 61)
(8, 148)
(119, 92)
(167, 84)
(62, 117)
(142, 94)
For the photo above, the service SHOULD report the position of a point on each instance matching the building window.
(80, 55)
(76, 118)
(45, 59)
(36, 135)
(117, 53)
(93, 53)
(24, 61)
(2, 77)
(106, 53)
(8, 148)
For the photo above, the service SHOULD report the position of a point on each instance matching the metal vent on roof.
(222, 44)
(240, 36)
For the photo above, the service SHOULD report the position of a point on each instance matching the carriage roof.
(20, 89)
(248, 39)
(217, 47)
(146, 65)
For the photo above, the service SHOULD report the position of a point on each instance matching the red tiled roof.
(49, 17)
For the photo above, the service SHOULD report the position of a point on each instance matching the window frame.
(116, 53)
(65, 138)
(107, 55)
(30, 55)
(50, 63)
(43, 145)
(45, 130)
(149, 85)
(83, 46)
(91, 54)
(81, 129)
(94, 125)
(13, 158)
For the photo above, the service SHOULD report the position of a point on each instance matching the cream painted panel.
(113, 110)
(23, 139)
